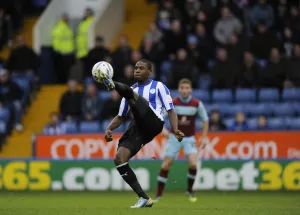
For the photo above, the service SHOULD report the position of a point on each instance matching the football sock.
(124, 90)
(191, 178)
(162, 180)
(128, 175)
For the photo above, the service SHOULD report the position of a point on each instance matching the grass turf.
(173, 203)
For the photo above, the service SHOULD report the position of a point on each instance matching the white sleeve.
(124, 108)
(165, 97)
(202, 112)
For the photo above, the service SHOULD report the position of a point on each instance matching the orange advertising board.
(231, 145)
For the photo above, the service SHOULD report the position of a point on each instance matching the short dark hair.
(185, 81)
(147, 62)
(213, 111)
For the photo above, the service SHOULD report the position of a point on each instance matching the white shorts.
(173, 146)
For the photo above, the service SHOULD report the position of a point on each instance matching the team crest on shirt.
(152, 91)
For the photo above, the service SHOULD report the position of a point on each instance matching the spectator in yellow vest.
(63, 47)
(82, 34)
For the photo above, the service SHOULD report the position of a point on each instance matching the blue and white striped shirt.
(156, 93)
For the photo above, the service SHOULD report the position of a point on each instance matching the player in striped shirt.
(147, 99)
(188, 109)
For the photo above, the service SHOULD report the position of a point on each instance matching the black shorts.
(142, 129)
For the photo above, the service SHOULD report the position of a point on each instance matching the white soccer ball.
(102, 67)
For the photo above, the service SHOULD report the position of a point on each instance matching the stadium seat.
(174, 93)
(105, 123)
(3, 127)
(277, 123)
(257, 109)
(296, 107)
(204, 82)
(202, 95)
(104, 95)
(230, 109)
(291, 94)
(229, 121)
(4, 114)
(283, 109)
(252, 123)
(245, 95)
(222, 96)
(293, 123)
(89, 127)
(215, 106)
(267, 95)
(71, 127)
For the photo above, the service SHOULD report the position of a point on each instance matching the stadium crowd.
(242, 56)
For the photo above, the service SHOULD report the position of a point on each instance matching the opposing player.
(188, 109)
(146, 99)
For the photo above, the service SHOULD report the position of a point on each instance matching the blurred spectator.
(183, 68)
(54, 127)
(150, 51)
(292, 71)
(262, 123)
(163, 22)
(192, 8)
(274, 73)
(205, 43)
(240, 123)
(111, 106)
(174, 39)
(293, 20)
(195, 54)
(121, 55)
(95, 55)
(10, 96)
(233, 7)
(168, 7)
(22, 59)
(135, 57)
(281, 11)
(4, 28)
(70, 102)
(289, 38)
(82, 34)
(63, 47)
(216, 123)
(234, 49)
(223, 73)
(128, 75)
(227, 25)
(262, 12)
(154, 33)
(248, 77)
(91, 104)
(263, 41)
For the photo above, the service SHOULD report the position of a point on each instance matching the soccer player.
(146, 99)
(188, 109)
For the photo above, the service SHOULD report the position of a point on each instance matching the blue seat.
(252, 123)
(257, 109)
(293, 123)
(71, 127)
(104, 95)
(245, 95)
(292, 94)
(222, 96)
(202, 95)
(174, 93)
(105, 123)
(230, 109)
(283, 109)
(3, 127)
(89, 127)
(215, 106)
(4, 114)
(267, 95)
(277, 123)
(296, 107)
(204, 82)
(229, 121)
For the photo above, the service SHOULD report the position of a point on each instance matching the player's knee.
(166, 165)
(118, 160)
(193, 166)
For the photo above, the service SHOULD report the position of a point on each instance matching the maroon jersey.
(187, 113)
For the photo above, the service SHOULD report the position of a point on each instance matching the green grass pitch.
(173, 203)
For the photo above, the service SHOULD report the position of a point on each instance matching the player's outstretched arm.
(174, 124)
(115, 123)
